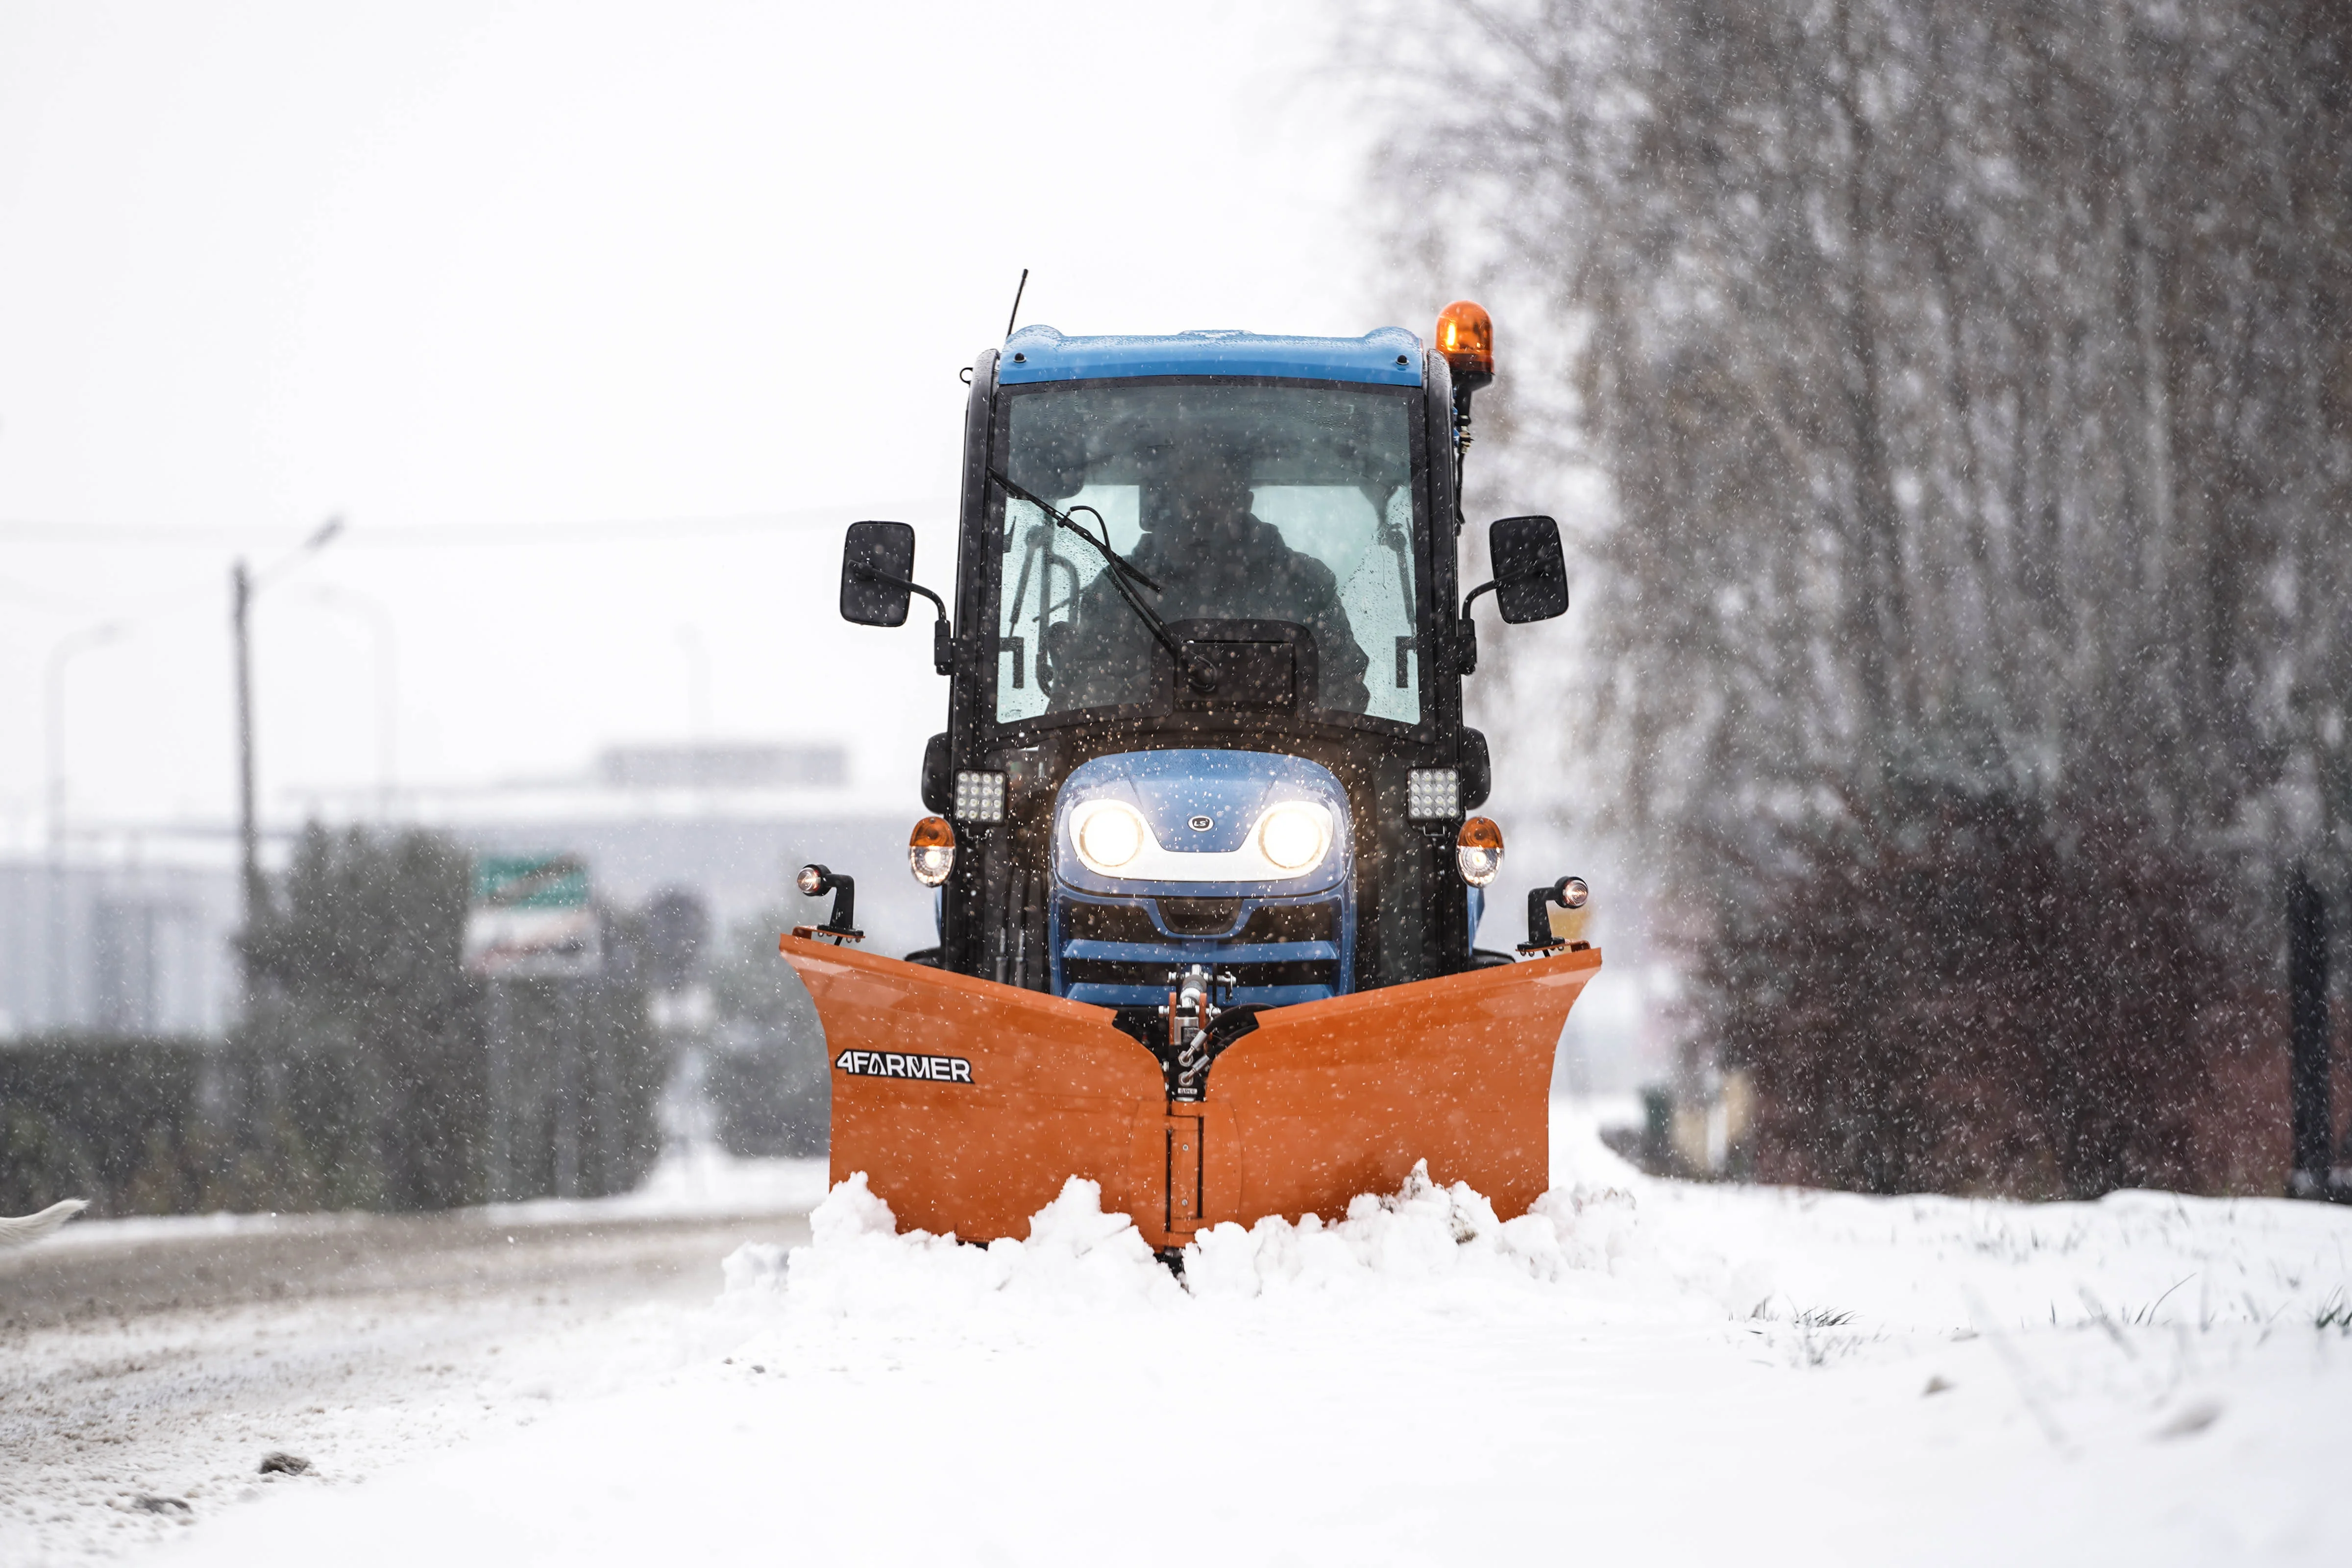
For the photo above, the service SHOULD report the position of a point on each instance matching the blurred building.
(126, 936)
(731, 823)
(129, 931)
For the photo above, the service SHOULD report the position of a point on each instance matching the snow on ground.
(1640, 1370)
(692, 1184)
(148, 1365)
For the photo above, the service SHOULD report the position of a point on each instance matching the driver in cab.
(1215, 559)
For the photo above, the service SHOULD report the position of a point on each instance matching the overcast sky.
(457, 273)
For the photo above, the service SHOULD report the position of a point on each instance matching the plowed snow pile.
(1078, 1258)
(1636, 1371)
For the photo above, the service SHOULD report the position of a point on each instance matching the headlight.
(1478, 850)
(1109, 833)
(930, 851)
(1294, 837)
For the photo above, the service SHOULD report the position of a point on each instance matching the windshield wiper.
(1118, 562)
(1125, 576)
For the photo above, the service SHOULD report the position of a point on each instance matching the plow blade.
(1331, 1098)
(968, 1103)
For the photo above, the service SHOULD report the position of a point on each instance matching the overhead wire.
(441, 535)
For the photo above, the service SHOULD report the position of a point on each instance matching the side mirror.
(877, 572)
(1530, 581)
(1530, 572)
(877, 579)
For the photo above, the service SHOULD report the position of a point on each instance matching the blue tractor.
(1205, 771)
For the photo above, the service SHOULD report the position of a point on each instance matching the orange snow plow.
(968, 1103)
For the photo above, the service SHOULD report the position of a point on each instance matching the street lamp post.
(243, 583)
(53, 690)
(240, 585)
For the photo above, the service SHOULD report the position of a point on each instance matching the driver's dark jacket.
(1247, 572)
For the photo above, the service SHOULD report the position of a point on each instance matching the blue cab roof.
(1390, 356)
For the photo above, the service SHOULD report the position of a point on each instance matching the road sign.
(530, 915)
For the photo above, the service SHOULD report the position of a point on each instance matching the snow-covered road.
(148, 1366)
(1643, 1371)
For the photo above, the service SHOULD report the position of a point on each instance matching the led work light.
(1433, 794)
(979, 797)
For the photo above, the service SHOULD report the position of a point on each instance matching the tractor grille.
(1116, 955)
(1200, 917)
(1154, 977)
(1107, 922)
(1291, 922)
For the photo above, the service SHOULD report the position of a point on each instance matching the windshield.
(1276, 504)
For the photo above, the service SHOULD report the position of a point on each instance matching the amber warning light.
(1478, 850)
(1466, 336)
(930, 850)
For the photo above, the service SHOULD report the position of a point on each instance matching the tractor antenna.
(1024, 289)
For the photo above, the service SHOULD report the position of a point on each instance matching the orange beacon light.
(1466, 336)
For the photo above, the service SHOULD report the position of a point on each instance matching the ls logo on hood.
(1202, 824)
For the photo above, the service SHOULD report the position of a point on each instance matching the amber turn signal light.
(1478, 850)
(930, 850)
(1466, 336)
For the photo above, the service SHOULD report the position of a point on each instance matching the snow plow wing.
(968, 1103)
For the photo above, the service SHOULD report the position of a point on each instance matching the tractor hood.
(1207, 803)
